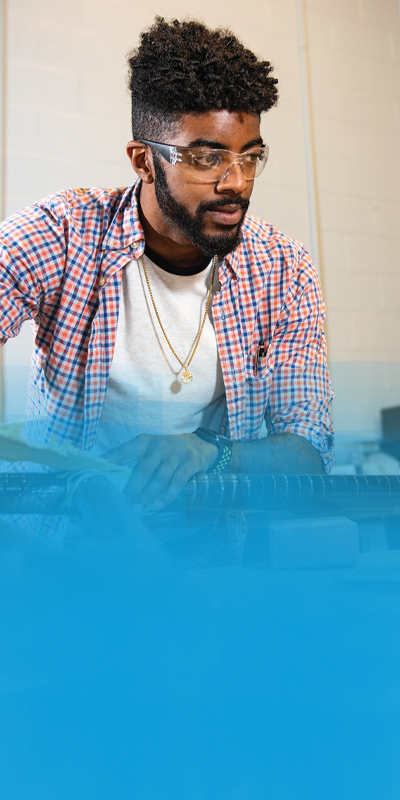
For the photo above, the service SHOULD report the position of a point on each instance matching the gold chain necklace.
(186, 376)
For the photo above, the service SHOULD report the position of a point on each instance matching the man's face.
(209, 215)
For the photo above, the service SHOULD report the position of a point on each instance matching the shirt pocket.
(264, 366)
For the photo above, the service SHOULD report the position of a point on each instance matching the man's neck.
(173, 268)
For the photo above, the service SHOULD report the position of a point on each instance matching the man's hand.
(164, 466)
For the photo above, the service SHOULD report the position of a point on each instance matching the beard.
(192, 225)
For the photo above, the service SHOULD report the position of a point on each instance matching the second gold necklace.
(186, 376)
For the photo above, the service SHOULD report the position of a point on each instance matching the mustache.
(223, 203)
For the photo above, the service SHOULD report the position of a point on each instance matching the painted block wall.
(354, 60)
(67, 115)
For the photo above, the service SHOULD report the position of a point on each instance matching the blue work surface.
(124, 676)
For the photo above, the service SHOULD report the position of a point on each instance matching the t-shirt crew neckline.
(171, 268)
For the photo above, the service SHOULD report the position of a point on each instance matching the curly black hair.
(184, 67)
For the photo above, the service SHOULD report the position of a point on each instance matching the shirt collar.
(231, 263)
(125, 231)
(234, 264)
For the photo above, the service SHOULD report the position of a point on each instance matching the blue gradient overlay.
(169, 656)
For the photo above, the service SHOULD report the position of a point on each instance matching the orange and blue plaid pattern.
(61, 263)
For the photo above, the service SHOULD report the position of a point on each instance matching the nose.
(233, 181)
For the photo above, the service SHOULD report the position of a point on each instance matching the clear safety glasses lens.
(210, 165)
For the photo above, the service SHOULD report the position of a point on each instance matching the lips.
(227, 215)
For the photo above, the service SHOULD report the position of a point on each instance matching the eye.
(252, 158)
(206, 160)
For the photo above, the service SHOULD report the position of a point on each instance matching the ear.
(142, 160)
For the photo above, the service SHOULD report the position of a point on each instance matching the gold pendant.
(186, 376)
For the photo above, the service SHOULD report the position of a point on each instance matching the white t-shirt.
(145, 393)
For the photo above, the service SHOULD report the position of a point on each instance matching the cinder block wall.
(354, 58)
(67, 122)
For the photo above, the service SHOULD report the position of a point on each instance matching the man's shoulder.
(258, 233)
(84, 201)
(67, 204)
(266, 247)
(90, 213)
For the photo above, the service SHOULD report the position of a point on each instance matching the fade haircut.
(184, 67)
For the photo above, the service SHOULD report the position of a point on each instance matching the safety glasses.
(211, 165)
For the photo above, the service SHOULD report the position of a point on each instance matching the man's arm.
(165, 463)
(300, 392)
(32, 260)
(279, 454)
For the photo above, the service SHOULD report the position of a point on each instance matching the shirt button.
(102, 281)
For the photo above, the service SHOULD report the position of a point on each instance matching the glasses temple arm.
(164, 149)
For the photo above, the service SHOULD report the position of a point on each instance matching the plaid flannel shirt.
(61, 263)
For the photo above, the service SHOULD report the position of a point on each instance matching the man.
(164, 307)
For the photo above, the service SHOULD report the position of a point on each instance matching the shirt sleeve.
(32, 257)
(301, 392)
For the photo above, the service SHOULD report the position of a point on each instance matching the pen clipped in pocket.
(261, 354)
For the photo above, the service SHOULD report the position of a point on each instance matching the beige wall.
(355, 86)
(67, 122)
